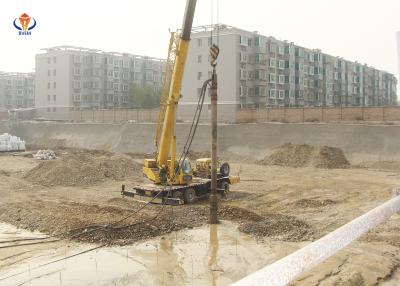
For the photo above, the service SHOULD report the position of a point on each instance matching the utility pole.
(214, 51)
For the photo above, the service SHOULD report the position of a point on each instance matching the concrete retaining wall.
(360, 142)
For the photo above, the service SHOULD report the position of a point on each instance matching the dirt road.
(276, 204)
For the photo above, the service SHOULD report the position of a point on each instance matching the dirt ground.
(274, 202)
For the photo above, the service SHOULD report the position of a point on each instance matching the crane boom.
(175, 87)
(174, 181)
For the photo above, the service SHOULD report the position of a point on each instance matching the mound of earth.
(193, 155)
(287, 228)
(294, 155)
(81, 168)
(309, 203)
(380, 165)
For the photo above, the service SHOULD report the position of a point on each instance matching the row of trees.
(144, 97)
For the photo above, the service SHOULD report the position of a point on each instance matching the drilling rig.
(173, 180)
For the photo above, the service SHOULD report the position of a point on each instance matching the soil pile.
(309, 203)
(380, 165)
(293, 155)
(287, 228)
(193, 155)
(80, 168)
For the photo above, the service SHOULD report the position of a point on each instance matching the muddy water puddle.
(210, 255)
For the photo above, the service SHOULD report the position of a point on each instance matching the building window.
(305, 69)
(311, 70)
(243, 90)
(281, 50)
(199, 75)
(243, 57)
(48, 73)
(244, 41)
(116, 74)
(54, 84)
(77, 59)
(77, 71)
(54, 72)
(125, 87)
(116, 86)
(272, 78)
(199, 42)
(281, 79)
(272, 63)
(54, 59)
(77, 84)
(281, 64)
(49, 60)
(281, 94)
(272, 93)
(54, 97)
(199, 59)
(272, 48)
(243, 74)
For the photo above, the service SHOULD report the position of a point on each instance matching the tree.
(144, 97)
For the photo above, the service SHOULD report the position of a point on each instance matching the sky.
(357, 30)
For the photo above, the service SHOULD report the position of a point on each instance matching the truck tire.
(189, 196)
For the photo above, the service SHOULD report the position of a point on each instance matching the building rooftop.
(20, 74)
(96, 51)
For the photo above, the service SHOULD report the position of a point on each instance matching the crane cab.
(164, 174)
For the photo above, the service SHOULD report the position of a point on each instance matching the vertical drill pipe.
(213, 196)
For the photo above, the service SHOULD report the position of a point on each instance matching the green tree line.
(144, 97)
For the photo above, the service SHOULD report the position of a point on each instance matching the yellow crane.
(174, 181)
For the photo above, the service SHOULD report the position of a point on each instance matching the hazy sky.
(362, 30)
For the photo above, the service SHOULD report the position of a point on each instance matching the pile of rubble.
(11, 143)
(45, 155)
(299, 156)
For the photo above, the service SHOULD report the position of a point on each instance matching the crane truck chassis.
(200, 187)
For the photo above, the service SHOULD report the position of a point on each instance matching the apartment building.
(17, 90)
(256, 71)
(68, 76)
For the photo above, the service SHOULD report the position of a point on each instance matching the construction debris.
(45, 155)
(293, 155)
(83, 168)
(11, 143)
(283, 227)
